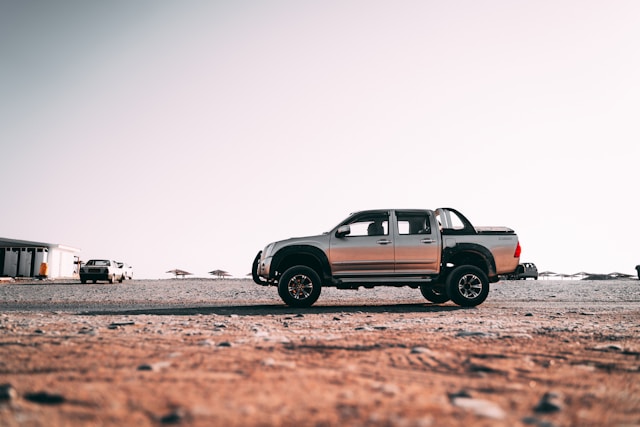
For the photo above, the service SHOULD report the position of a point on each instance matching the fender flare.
(301, 250)
(476, 250)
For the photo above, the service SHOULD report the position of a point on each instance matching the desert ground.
(205, 352)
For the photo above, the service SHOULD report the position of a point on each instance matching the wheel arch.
(309, 256)
(471, 254)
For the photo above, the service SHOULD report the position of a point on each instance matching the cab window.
(413, 223)
(370, 225)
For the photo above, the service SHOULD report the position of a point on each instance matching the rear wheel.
(299, 286)
(435, 293)
(467, 286)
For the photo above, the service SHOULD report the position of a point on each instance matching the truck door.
(366, 249)
(417, 243)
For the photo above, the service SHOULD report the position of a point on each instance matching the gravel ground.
(71, 296)
(229, 352)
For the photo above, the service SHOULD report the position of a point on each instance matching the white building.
(22, 258)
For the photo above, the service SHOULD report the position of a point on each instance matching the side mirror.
(343, 230)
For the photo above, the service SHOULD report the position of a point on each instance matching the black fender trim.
(475, 250)
(280, 258)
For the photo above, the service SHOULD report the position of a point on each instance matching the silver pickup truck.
(438, 251)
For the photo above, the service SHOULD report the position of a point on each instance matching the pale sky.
(189, 134)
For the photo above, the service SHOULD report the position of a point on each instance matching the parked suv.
(524, 271)
(439, 251)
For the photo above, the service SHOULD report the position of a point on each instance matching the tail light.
(516, 254)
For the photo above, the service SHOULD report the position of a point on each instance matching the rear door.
(417, 243)
(367, 250)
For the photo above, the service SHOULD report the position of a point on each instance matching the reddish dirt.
(413, 365)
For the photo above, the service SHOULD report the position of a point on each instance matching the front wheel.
(467, 286)
(435, 293)
(299, 286)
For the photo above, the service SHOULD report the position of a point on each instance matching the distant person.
(638, 270)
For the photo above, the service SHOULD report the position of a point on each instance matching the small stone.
(45, 398)
(550, 402)
(528, 315)
(421, 350)
(174, 417)
(459, 393)
(483, 408)
(7, 392)
(145, 367)
(225, 344)
(609, 347)
(471, 334)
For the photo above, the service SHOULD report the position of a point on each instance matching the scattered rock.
(7, 392)
(472, 334)
(116, 325)
(421, 350)
(175, 417)
(225, 344)
(481, 407)
(459, 393)
(153, 366)
(45, 398)
(550, 402)
(609, 347)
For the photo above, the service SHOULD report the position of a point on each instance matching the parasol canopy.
(179, 273)
(219, 273)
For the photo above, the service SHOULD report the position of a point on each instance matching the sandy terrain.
(210, 352)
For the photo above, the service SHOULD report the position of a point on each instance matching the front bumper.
(264, 267)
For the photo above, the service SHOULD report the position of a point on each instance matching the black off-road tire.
(299, 286)
(437, 294)
(467, 286)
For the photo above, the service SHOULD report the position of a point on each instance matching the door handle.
(427, 241)
(383, 242)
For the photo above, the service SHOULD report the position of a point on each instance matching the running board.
(384, 280)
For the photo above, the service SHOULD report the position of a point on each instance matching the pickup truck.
(438, 251)
(101, 269)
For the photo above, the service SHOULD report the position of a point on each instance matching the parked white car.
(127, 270)
(101, 269)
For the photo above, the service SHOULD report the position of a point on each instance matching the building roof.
(15, 243)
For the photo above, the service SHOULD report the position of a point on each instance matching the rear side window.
(413, 223)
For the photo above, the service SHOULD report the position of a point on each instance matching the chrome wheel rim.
(300, 287)
(470, 286)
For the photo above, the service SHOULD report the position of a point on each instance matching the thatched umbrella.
(547, 274)
(219, 273)
(617, 275)
(179, 273)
